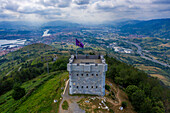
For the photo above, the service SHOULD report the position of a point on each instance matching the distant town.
(66, 39)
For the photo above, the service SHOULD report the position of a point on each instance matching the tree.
(107, 87)
(18, 92)
(156, 92)
(91, 53)
(157, 109)
(131, 89)
(6, 85)
(146, 87)
(62, 66)
(137, 99)
(112, 73)
(160, 104)
(146, 106)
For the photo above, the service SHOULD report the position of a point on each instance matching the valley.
(38, 63)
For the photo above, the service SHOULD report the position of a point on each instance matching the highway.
(139, 51)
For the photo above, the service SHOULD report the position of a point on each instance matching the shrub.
(111, 111)
(107, 87)
(18, 92)
(65, 105)
(124, 104)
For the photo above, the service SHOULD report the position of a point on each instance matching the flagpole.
(76, 52)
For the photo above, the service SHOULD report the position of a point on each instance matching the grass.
(42, 91)
(155, 72)
(65, 105)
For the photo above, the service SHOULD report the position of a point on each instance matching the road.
(139, 51)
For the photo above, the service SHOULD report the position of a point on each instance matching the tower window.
(96, 86)
(70, 86)
(77, 86)
(81, 86)
(96, 74)
(92, 74)
(81, 74)
(91, 86)
(77, 74)
(86, 86)
(86, 74)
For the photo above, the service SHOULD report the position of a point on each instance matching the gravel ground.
(72, 101)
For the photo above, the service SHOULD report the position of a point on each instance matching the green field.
(41, 93)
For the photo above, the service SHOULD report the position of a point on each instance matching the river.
(46, 33)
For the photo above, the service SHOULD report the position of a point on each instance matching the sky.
(83, 11)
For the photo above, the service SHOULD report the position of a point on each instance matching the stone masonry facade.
(87, 74)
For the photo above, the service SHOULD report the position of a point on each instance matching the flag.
(78, 43)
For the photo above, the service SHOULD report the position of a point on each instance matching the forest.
(146, 93)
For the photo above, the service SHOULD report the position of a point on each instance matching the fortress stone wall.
(87, 75)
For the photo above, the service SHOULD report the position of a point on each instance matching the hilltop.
(154, 28)
(41, 71)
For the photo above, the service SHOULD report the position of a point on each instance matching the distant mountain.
(18, 24)
(59, 23)
(60, 26)
(119, 23)
(154, 28)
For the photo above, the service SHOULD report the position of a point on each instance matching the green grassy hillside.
(15, 59)
(42, 87)
(41, 93)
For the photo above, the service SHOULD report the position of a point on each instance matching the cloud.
(48, 2)
(83, 11)
(161, 2)
(64, 3)
(6, 16)
(11, 6)
(81, 2)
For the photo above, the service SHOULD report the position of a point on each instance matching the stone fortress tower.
(87, 74)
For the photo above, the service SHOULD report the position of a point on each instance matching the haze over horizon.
(83, 11)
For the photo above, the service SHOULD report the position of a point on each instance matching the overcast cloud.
(83, 11)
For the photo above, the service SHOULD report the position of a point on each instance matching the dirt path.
(117, 95)
(72, 101)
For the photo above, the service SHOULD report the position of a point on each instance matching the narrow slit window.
(81, 86)
(77, 86)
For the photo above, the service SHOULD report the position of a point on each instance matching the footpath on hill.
(72, 101)
(75, 102)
